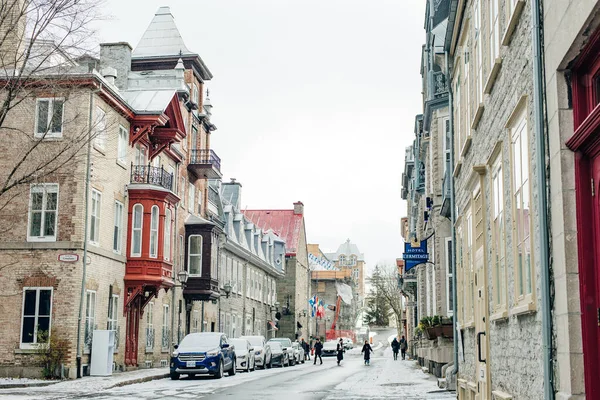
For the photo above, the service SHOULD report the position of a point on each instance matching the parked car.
(279, 355)
(330, 348)
(244, 354)
(287, 344)
(262, 350)
(298, 353)
(203, 353)
(348, 343)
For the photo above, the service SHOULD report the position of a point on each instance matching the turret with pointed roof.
(162, 45)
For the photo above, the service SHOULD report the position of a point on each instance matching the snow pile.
(7, 382)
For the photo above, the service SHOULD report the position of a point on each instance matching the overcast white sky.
(314, 100)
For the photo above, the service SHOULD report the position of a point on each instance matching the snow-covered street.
(383, 379)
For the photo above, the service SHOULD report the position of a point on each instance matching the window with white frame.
(194, 139)
(36, 316)
(122, 145)
(468, 88)
(43, 209)
(477, 12)
(447, 144)
(113, 313)
(154, 232)
(458, 112)
(191, 197)
(469, 290)
(49, 117)
(150, 326)
(498, 237)
(248, 282)
(167, 238)
(90, 318)
(95, 217)
(523, 240)
(100, 129)
(494, 43)
(118, 227)
(199, 202)
(355, 273)
(137, 224)
(222, 268)
(449, 275)
(195, 255)
(240, 273)
(140, 154)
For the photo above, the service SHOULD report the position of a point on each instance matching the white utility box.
(103, 349)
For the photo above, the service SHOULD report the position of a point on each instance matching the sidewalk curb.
(25, 385)
(140, 380)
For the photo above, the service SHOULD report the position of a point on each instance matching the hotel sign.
(415, 255)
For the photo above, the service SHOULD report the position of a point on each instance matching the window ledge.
(498, 395)
(513, 22)
(457, 169)
(501, 314)
(491, 80)
(477, 116)
(122, 164)
(50, 138)
(466, 146)
(469, 325)
(526, 308)
(24, 350)
(149, 350)
(99, 149)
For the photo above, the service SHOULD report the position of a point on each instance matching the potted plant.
(436, 325)
(429, 329)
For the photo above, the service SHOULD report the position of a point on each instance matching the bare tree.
(385, 283)
(40, 42)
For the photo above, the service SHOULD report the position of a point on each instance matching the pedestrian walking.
(367, 350)
(395, 347)
(403, 347)
(305, 349)
(340, 351)
(318, 350)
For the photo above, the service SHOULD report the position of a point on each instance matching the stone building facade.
(348, 256)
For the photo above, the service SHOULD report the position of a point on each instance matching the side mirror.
(225, 345)
(251, 349)
(284, 349)
(176, 346)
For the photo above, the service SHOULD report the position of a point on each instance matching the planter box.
(447, 331)
(433, 332)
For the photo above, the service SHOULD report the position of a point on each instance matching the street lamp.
(275, 307)
(182, 277)
(227, 289)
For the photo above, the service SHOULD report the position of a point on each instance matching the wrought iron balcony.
(150, 175)
(205, 163)
(439, 86)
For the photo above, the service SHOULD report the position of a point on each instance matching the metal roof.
(284, 223)
(162, 38)
(149, 101)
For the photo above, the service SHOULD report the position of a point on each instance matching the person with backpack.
(403, 347)
(318, 351)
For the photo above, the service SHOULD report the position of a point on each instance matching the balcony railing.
(439, 85)
(151, 176)
(203, 156)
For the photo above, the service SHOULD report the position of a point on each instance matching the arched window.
(137, 222)
(154, 232)
(167, 241)
(195, 255)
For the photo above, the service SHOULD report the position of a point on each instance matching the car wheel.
(219, 373)
(232, 370)
(270, 364)
(174, 376)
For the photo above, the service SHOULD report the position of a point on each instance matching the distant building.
(293, 289)
(348, 257)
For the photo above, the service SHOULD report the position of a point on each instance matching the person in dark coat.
(395, 347)
(403, 347)
(367, 350)
(318, 351)
(340, 351)
(306, 349)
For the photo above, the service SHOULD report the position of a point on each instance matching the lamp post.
(182, 278)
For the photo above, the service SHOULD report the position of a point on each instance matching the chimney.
(298, 208)
(13, 15)
(117, 56)
(110, 74)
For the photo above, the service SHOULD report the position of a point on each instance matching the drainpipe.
(540, 160)
(452, 215)
(173, 298)
(85, 233)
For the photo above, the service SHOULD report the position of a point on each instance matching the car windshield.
(276, 346)
(240, 344)
(254, 341)
(200, 340)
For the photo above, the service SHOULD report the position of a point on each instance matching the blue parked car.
(203, 353)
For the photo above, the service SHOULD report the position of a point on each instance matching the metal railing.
(152, 176)
(149, 338)
(204, 156)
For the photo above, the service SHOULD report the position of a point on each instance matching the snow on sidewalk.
(99, 383)
(23, 382)
(358, 350)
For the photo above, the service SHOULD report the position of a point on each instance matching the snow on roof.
(149, 101)
(162, 38)
(284, 223)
